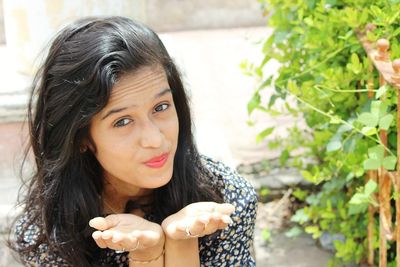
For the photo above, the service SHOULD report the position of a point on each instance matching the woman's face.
(136, 134)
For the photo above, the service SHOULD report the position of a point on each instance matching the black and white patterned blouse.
(229, 247)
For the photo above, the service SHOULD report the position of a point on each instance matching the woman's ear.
(86, 144)
(83, 149)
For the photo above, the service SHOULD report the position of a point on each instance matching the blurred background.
(209, 40)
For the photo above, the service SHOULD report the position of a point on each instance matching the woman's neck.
(115, 202)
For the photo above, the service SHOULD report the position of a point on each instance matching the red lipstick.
(157, 162)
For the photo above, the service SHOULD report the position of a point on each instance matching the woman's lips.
(157, 162)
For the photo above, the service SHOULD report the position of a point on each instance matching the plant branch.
(343, 122)
(332, 55)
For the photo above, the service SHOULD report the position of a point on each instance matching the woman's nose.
(151, 136)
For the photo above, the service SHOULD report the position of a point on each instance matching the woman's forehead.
(144, 80)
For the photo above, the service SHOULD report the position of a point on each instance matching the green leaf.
(381, 91)
(264, 192)
(385, 122)
(349, 176)
(307, 175)
(368, 131)
(371, 36)
(285, 155)
(309, 21)
(261, 136)
(350, 145)
(265, 60)
(378, 108)
(370, 187)
(272, 100)
(355, 65)
(253, 103)
(300, 217)
(333, 146)
(375, 159)
(368, 119)
(291, 110)
(376, 152)
(265, 83)
(244, 64)
(294, 231)
(358, 198)
(250, 123)
(266, 234)
(389, 163)
(359, 171)
(394, 17)
(358, 209)
(293, 88)
(371, 164)
(314, 230)
(375, 107)
(354, 59)
(300, 194)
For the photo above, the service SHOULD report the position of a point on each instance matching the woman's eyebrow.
(116, 110)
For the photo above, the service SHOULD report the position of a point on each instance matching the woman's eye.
(122, 122)
(161, 107)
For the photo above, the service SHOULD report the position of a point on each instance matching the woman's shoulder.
(231, 246)
(29, 243)
(27, 229)
(233, 186)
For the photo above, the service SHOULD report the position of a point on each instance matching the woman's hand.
(197, 220)
(128, 232)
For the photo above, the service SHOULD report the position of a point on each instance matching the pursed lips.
(158, 161)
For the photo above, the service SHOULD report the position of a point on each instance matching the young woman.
(118, 179)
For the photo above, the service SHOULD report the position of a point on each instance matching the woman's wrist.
(150, 253)
(181, 252)
(145, 259)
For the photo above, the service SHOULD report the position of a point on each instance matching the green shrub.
(322, 80)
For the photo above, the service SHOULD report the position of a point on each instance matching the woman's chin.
(156, 181)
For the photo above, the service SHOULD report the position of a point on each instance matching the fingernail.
(227, 220)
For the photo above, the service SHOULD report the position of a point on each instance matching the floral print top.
(229, 247)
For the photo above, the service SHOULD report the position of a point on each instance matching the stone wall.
(171, 15)
(29, 25)
(175, 15)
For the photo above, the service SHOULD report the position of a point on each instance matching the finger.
(127, 242)
(102, 224)
(98, 223)
(197, 227)
(215, 216)
(212, 226)
(204, 218)
(111, 220)
(107, 234)
(182, 226)
(226, 219)
(115, 246)
(224, 222)
(117, 237)
(134, 244)
(99, 241)
(224, 208)
(135, 233)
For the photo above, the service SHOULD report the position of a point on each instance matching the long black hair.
(74, 83)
